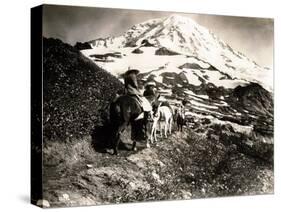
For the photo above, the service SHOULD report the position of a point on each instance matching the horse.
(164, 112)
(180, 118)
(127, 110)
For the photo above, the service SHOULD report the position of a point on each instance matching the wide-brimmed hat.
(150, 83)
(131, 71)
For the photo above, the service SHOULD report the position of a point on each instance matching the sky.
(252, 36)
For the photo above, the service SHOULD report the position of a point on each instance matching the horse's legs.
(155, 131)
(116, 143)
(160, 129)
(134, 148)
(147, 143)
(134, 134)
(153, 128)
(170, 125)
(151, 136)
(166, 128)
(178, 124)
(117, 137)
(152, 133)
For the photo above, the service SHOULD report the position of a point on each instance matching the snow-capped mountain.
(187, 61)
(166, 44)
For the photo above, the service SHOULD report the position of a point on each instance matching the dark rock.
(81, 46)
(190, 66)
(131, 43)
(137, 51)
(146, 43)
(165, 51)
(206, 121)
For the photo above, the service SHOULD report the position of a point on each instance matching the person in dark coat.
(131, 83)
(139, 126)
(132, 88)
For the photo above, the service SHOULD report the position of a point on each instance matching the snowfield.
(193, 42)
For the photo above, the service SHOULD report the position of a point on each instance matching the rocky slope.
(187, 165)
(74, 88)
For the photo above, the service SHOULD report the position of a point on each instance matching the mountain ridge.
(185, 37)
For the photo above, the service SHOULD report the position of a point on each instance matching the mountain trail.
(183, 166)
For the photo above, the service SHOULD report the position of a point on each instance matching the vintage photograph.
(154, 105)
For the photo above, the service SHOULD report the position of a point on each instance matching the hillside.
(187, 165)
(74, 88)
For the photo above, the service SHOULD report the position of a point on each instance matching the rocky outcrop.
(146, 43)
(252, 143)
(190, 66)
(137, 51)
(82, 46)
(165, 51)
(254, 98)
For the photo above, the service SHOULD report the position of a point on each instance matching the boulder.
(165, 51)
(137, 51)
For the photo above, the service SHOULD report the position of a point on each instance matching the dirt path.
(183, 166)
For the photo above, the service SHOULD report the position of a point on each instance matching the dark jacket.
(131, 83)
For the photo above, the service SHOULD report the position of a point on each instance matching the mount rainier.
(188, 61)
(190, 43)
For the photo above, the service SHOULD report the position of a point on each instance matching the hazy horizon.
(254, 37)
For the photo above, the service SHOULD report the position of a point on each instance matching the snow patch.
(159, 79)
(203, 105)
(189, 92)
(192, 78)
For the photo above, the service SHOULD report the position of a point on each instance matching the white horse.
(162, 112)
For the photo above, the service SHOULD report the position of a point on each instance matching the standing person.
(181, 115)
(182, 106)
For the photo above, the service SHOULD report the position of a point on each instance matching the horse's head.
(150, 115)
(181, 112)
(154, 113)
(149, 112)
(155, 110)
